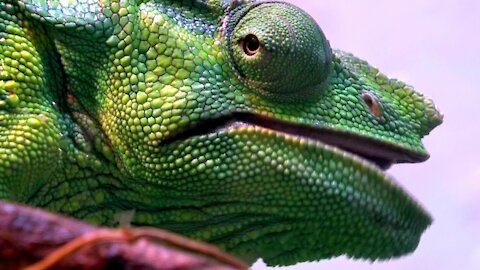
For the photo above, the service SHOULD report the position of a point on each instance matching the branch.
(36, 240)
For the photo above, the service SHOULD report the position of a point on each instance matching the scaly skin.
(227, 121)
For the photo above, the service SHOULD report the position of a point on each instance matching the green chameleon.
(232, 122)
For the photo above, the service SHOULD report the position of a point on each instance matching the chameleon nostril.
(372, 103)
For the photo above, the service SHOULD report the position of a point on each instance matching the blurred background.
(434, 46)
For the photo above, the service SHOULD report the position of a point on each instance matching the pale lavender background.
(433, 45)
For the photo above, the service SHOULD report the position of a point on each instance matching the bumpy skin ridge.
(205, 117)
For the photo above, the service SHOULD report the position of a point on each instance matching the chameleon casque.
(232, 122)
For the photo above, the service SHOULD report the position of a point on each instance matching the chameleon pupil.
(251, 45)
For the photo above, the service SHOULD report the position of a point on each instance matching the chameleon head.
(235, 123)
(263, 140)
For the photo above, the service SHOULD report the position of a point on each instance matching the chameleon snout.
(433, 116)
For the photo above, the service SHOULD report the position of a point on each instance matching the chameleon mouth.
(381, 153)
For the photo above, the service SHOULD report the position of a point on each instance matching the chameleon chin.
(231, 122)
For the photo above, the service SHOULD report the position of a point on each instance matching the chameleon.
(231, 122)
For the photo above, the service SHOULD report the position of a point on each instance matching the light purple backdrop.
(435, 46)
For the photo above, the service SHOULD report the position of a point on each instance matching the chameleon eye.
(250, 44)
(372, 103)
(278, 50)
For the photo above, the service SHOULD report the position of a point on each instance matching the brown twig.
(30, 235)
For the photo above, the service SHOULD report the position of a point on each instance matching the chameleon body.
(232, 122)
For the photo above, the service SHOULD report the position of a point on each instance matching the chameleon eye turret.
(278, 50)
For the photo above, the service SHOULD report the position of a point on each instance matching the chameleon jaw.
(386, 219)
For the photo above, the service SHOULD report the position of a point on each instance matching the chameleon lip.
(381, 153)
